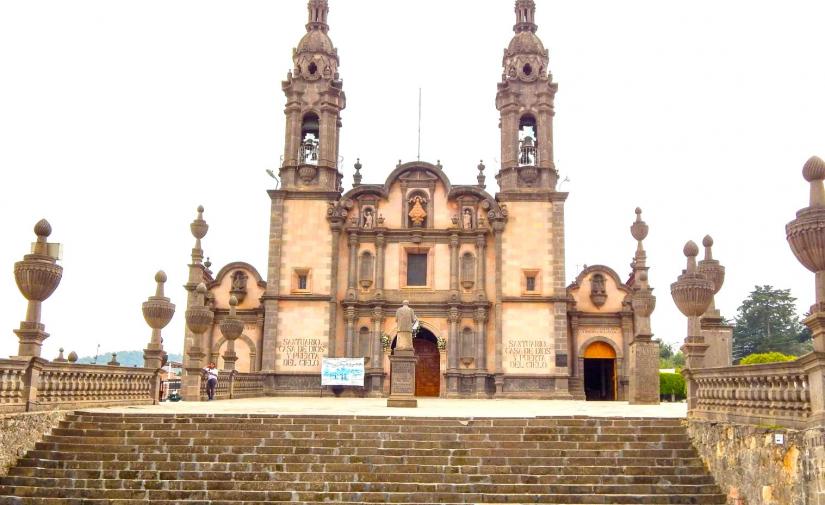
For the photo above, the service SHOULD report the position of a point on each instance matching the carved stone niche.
(468, 270)
(366, 268)
(598, 293)
(417, 214)
(238, 289)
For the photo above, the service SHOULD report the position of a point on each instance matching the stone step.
(320, 462)
(9, 500)
(688, 467)
(261, 447)
(360, 497)
(454, 478)
(108, 485)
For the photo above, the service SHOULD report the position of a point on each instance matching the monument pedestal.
(402, 379)
(644, 372)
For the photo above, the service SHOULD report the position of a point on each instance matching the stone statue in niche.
(598, 293)
(368, 218)
(417, 212)
(238, 288)
(467, 219)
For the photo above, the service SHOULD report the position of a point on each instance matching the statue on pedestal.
(404, 318)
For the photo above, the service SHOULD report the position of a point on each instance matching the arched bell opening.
(600, 372)
(310, 139)
(527, 141)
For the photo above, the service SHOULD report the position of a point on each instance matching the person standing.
(211, 380)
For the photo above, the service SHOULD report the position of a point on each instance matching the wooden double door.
(427, 365)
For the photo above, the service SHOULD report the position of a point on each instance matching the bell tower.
(314, 101)
(531, 294)
(525, 102)
(302, 272)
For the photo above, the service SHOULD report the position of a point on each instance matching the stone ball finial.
(201, 289)
(160, 276)
(200, 209)
(233, 301)
(707, 241)
(42, 229)
(814, 169)
(481, 166)
(639, 212)
(643, 276)
(72, 357)
(691, 250)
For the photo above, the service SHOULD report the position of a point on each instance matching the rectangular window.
(302, 281)
(416, 269)
(531, 283)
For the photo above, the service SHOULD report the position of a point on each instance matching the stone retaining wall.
(754, 470)
(19, 433)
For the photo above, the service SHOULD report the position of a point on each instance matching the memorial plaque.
(527, 355)
(561, 360)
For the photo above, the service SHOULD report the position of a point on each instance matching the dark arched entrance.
(600, 372)
(427, 364)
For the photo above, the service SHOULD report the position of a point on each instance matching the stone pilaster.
(454, 266)
(380, 243)
(481, 268)
(349, 316)
(352, 271)
(480, 319)
(498, 228)
(336, 224)
(273, 280)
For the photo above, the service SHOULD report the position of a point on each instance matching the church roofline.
(404, 167)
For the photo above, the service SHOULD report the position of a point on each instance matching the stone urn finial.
(114, 361)
(157, 312)
(356, 177)
(37, 276)
(231, 328)
(713, 271)
(199, 317)
(806, 236)
(60, 358)
(692, 292)
(480, 177)
(198, 227)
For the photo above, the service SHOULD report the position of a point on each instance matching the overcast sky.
(117, 119)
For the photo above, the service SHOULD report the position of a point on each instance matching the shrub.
(766, 357)
(672, 384)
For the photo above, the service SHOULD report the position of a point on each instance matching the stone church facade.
(485, 273)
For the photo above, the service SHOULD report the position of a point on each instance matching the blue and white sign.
(342, 372)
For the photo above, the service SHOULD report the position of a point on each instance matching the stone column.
(352, 272)
(643, 351)
(692, 292)
(375, 374)
(718, 335)
(157, 311)
(480, 318)
(481, 267)
(498, 228)
(380, 242)
(453, 317)
(350, 335)
(231, 328)
(198, 321)
(37, 276)
(192, 344)
(806, 236)
(336, 221)
(454, 266)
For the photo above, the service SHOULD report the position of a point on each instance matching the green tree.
(665, 350)
(767, 321)
(767, 357)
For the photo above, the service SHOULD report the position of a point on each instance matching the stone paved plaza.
(427, 407)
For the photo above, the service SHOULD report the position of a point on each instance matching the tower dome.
(525, 58)
(315, 57)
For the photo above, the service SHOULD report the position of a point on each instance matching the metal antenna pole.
(419, 125)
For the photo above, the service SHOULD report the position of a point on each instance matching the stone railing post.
(231, 328)
(157, 311)
(692, 293)
(231, 388)
(198, 321)
(37, 276)
(31, 379)
(806, 236)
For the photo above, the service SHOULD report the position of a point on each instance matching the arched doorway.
(427, 363)
(600, 372)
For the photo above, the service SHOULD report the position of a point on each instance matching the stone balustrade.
(12, 385)
(37, 384)
(771, 394)
(236, 384)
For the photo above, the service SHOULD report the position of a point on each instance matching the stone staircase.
(97, 458)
